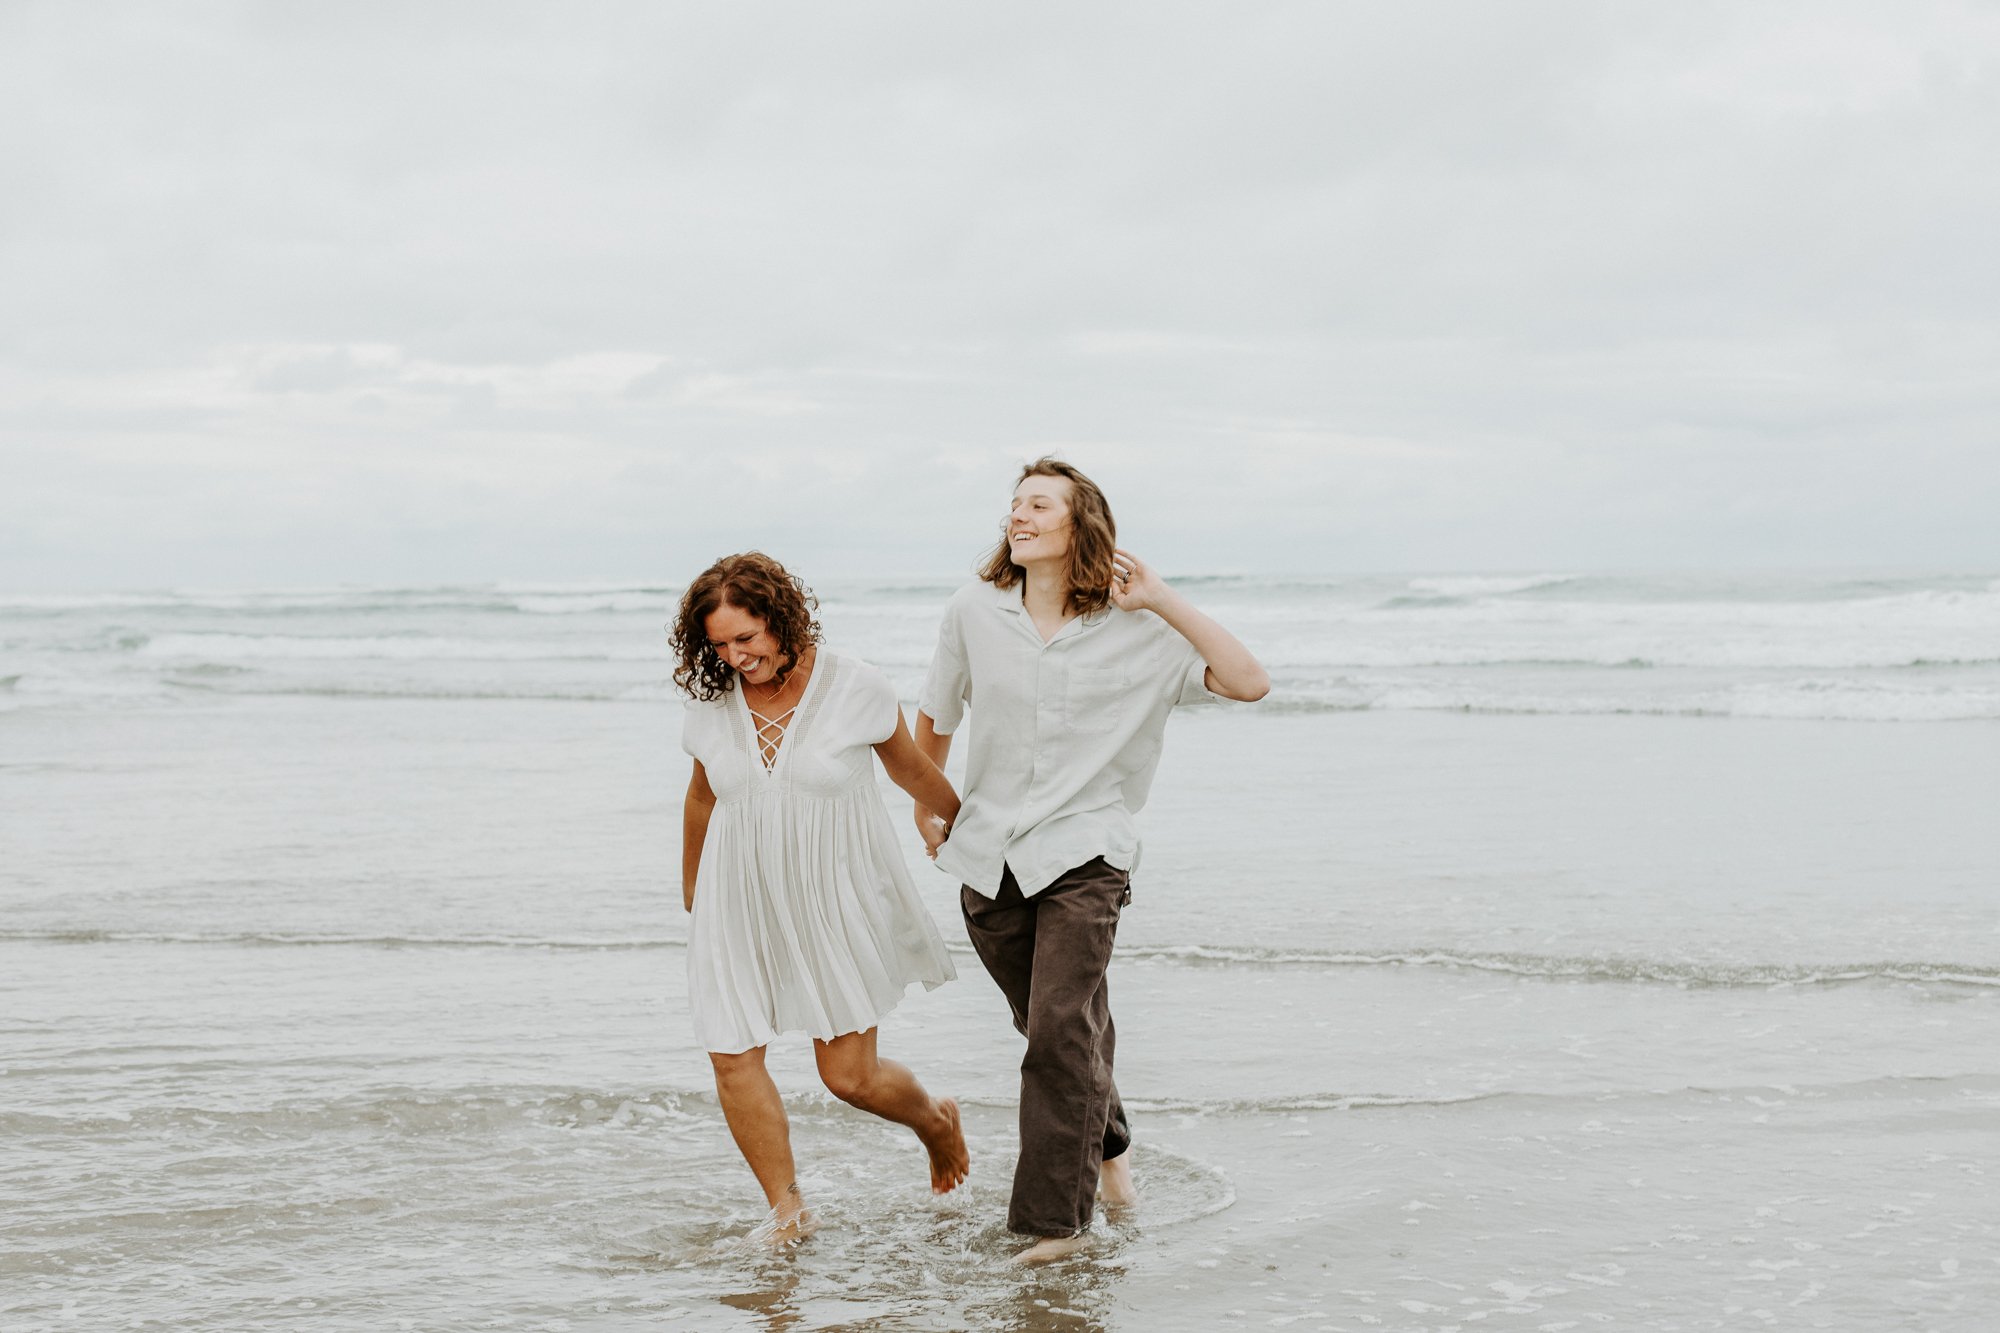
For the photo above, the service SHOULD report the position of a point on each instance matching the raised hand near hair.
(1233, 671)
(1136, 585)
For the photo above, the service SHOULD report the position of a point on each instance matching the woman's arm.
(936, 748)
(911, 767)
(695, 810)
(1233, 670)
(947, 689)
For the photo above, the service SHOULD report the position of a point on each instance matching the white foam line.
(1608, 969)
(287, 939)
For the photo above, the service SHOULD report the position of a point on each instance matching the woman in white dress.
(805, 917)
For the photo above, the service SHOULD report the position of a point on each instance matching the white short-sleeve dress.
(805, 917)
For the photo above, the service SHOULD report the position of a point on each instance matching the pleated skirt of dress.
(805, 920)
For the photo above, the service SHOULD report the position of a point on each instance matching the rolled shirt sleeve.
(948, 685)
(1194, 683)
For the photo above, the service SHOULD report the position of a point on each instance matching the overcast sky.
(312, 293)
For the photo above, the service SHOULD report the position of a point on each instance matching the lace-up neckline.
(769, 731)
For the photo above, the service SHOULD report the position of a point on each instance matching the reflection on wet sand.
(772, 1302)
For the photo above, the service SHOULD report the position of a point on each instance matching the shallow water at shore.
(367, 1012)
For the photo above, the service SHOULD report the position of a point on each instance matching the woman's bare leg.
(756, 1116)
(852, 1071)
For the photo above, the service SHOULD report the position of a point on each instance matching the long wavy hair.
(751, 582)
(1093, 537)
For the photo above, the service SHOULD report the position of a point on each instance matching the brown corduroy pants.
(1049, 954)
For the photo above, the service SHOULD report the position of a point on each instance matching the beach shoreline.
(340, 1010)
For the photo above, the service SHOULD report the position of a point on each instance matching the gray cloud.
(455, 291)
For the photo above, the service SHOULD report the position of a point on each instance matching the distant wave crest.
(1788, 701)
(1579, 967)
(455, 1111)
(1565, 967)
(1846, 649)
(1488, 585)
(335, 939)
(413, 648)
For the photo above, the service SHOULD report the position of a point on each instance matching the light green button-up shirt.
(1065, 734)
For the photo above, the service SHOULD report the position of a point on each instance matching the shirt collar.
(1013, 600)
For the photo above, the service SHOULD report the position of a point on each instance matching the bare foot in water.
(950, 1162)
(1051, 1248)
(787, 1224)
(1114, 1182)
(781, 1233)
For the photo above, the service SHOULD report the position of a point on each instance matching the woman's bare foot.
(950, 1162)
(788, 1222)
(1114, 1182)
(1051, 1248)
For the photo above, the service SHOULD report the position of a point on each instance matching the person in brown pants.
(1048, 954)
(1071, 652)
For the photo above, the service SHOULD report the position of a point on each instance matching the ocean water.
(1547, 953)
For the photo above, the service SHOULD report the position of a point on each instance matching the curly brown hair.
(1093, 538)
(751, 582)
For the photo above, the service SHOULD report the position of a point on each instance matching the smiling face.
(1038, 525)
(745, 643)
(1058, 534)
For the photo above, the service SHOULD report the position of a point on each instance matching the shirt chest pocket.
(1097, 699)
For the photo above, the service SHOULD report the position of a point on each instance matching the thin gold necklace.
(778, 693)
